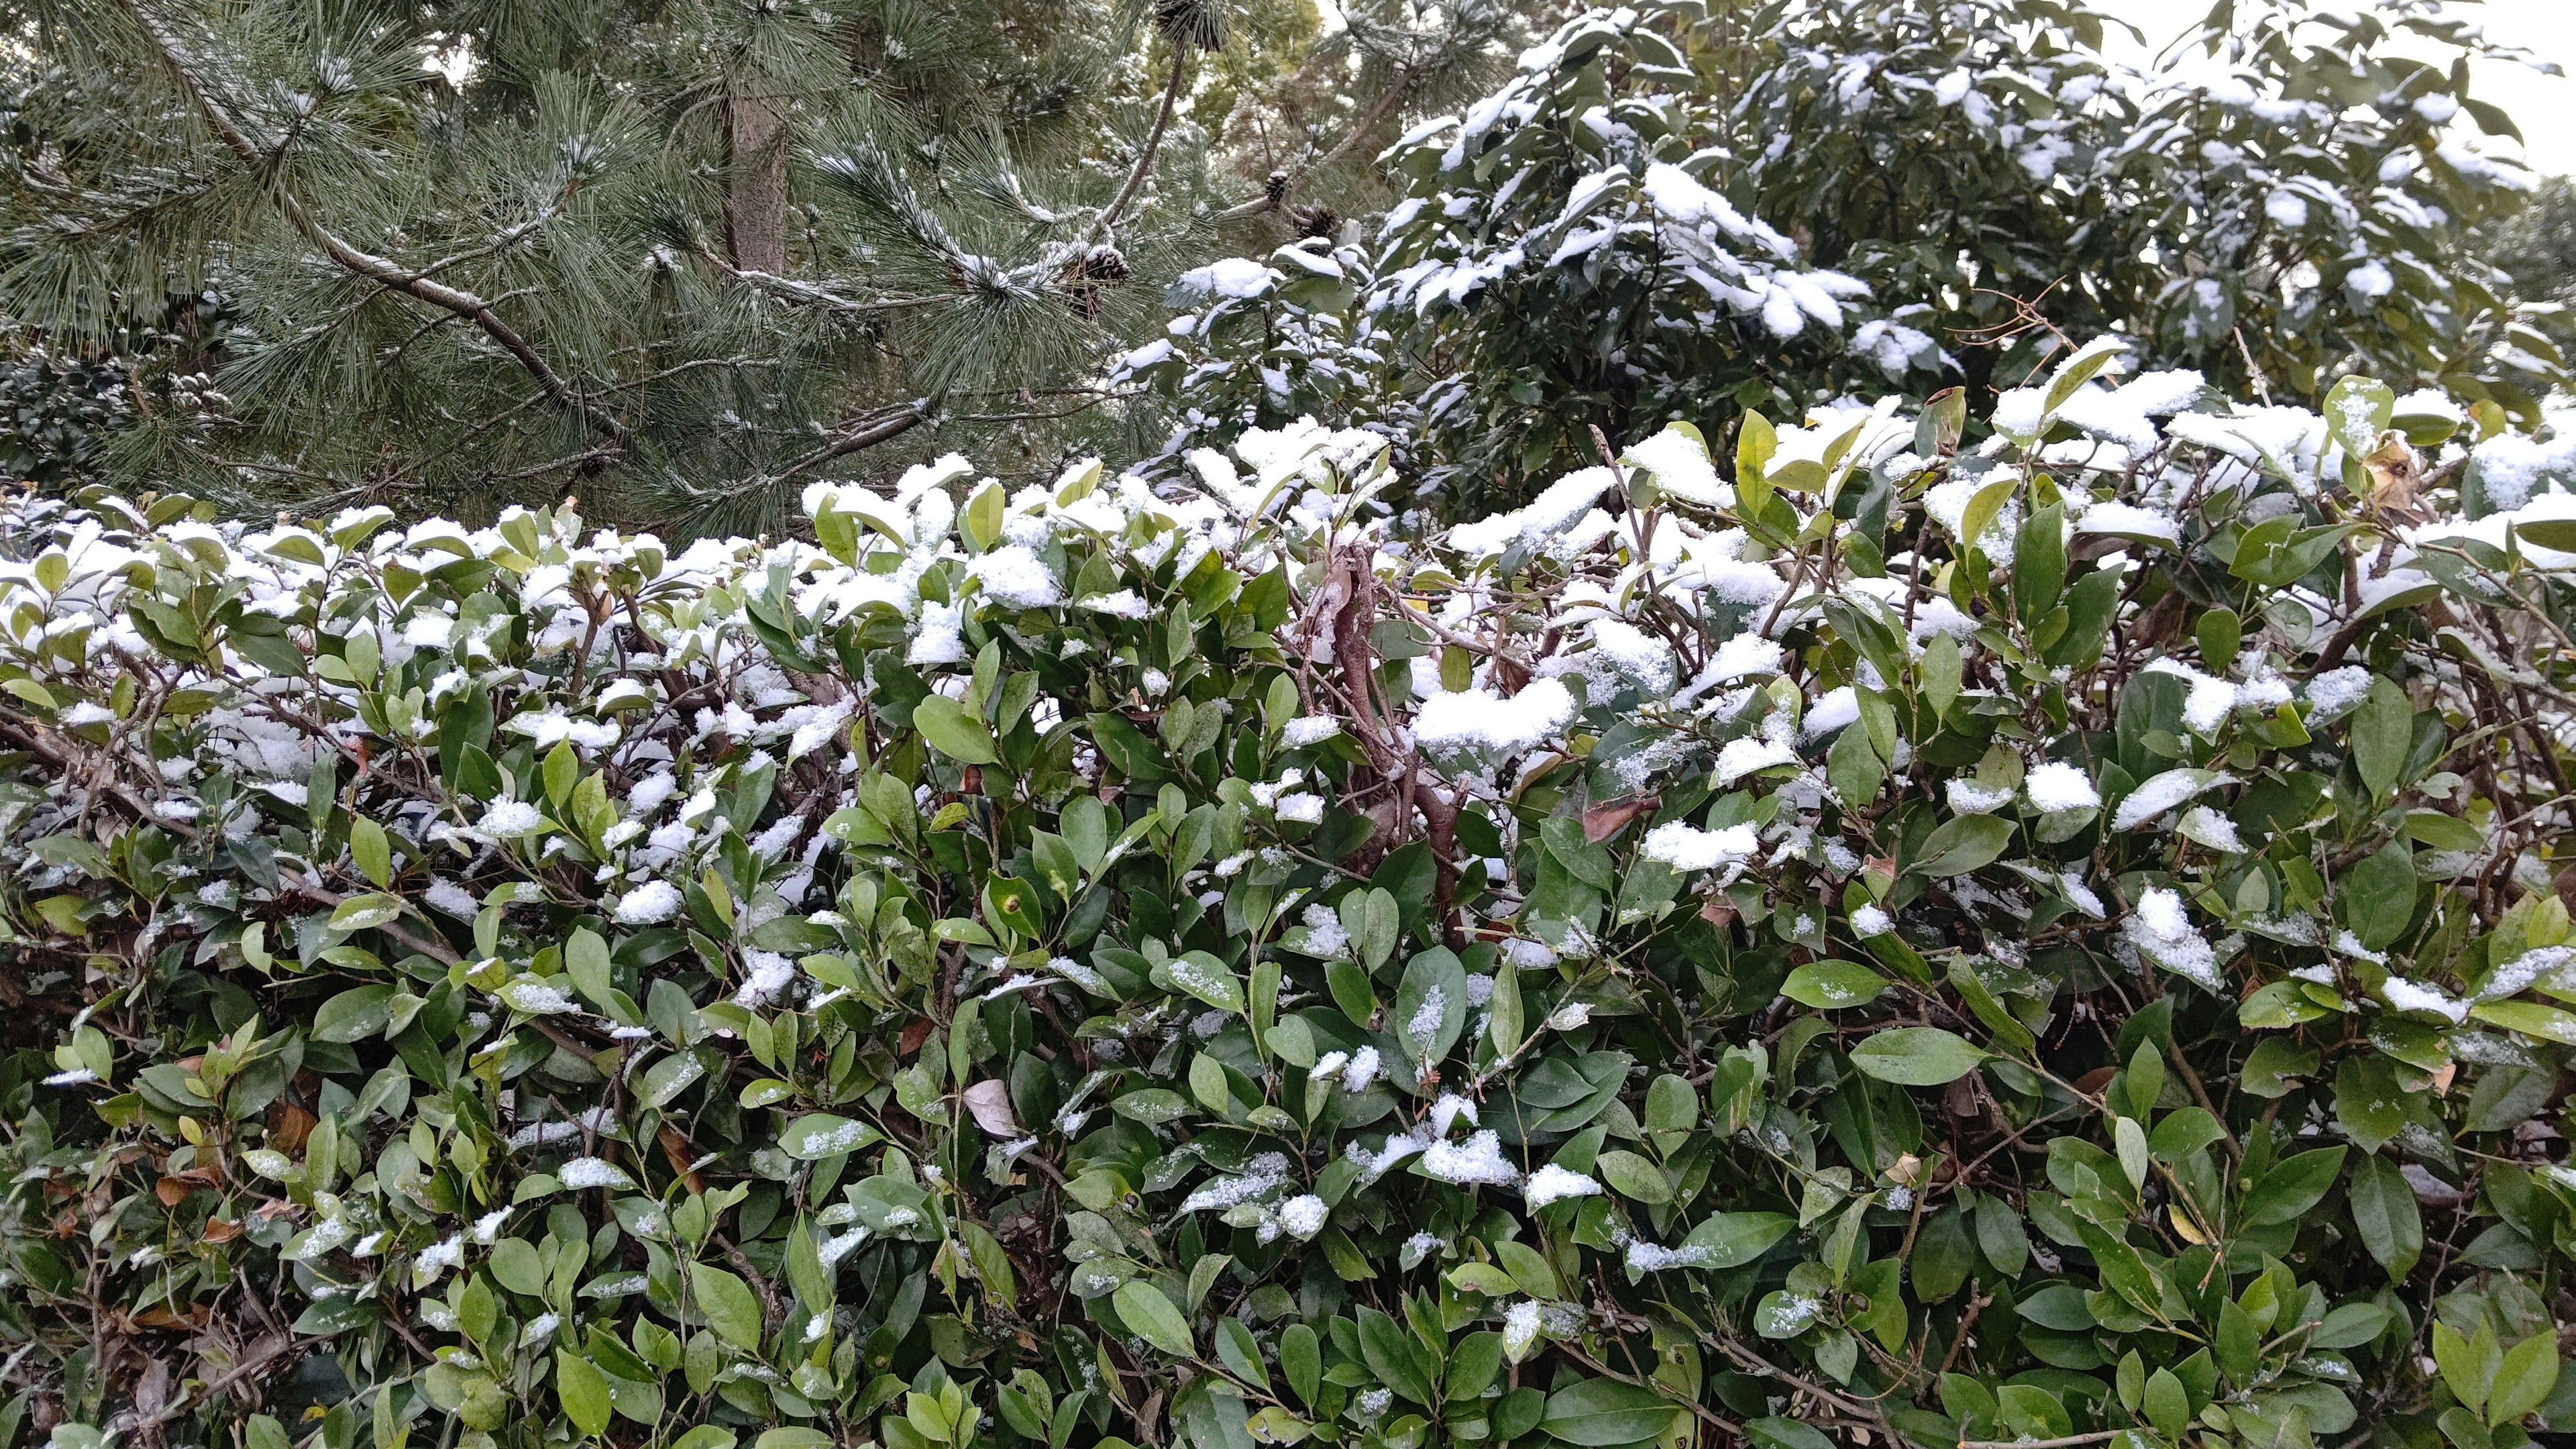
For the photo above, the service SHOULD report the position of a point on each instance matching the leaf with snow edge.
(2162, 792)
(2529, 1018)
(1732, 1240)
(1430, 1007)
(1678, 459)
(1205, 977)
(2206, 827)
(818, 1135)
(1784, 1313)
(1152, 1106)
(1833, 985)
(668, 1078)
(354, 1015)
(2357, 410)
(366, 912)
(1917, 1056)
(2127, 521)
(536, 996)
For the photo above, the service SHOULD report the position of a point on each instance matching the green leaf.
(586, 962)
(2523, 1382)
(1152, 1317)
(1735, 1239)
(1205, 977)
(1606, 1411)
(2122, 1269)
(2167, 1404)
(369, 848)
(2350, 1325)
(1240, 1352)
(354, 1015)
(2383, 733)
(2376, 897)
(2369, 1105)
(1784, 1433)
(1634, 1177)
(728, 1304)
(705, 1436)
(983, 516)
(1301, 1361)
(583, 1392)
(818, 1135)
(2294, 1185)
(2385, 1211)
(1375, 922)
(1917, 1056)
(1852, 767)
(1833, 985)
(2357, 410)
(1962, 844)
(1394, 1356)
(366, 912)
(1985, 507)
(945, 724)
(1430, 1006)
(2039, 564)
(516, 1266)
(2277, 552)
(2468, 1367)
(2530, 1018)
(1529, 1268)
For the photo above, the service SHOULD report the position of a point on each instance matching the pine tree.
(684, 258)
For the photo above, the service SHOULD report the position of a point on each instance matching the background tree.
(1684, 209)
(2536, 246)
(685, 257)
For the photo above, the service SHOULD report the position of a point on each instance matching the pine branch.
(380, 270)
(791, 290)
(1276, 195)
(870, 430)
(1153, 142)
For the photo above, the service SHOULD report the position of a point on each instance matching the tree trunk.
(756, 178)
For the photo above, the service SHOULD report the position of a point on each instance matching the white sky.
(2543, 106)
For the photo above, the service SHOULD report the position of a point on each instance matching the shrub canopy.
(2046, 939)
(1678, 209)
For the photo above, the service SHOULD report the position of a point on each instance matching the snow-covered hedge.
(1848, 935)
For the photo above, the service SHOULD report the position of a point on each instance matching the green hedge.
(2046, 940)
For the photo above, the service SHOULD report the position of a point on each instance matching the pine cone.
(1200, 22)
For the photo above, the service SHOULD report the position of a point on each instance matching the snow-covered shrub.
(2044, 941)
